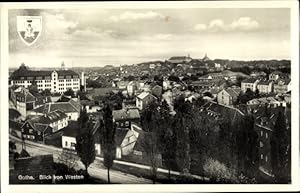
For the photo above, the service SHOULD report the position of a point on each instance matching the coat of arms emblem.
(29, 28)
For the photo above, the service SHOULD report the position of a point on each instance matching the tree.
(70, 92)
(46, 92)
(107, 136)
(167, 139)
(151, 123)
(247, 143)
(280, 149)
(183, 123)
(85, 142)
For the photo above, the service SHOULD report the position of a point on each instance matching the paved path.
(95, 170)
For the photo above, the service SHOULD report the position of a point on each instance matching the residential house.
(123, 118)
(70, 133)
(125, 141)
(278, 75)
(144, 99)
(270, 101)
(258, 74)
(90, 106)
(265, 119)
(228, 96)
(197, 85)
(250, 83)
(282, 86)
(226, 74)
(131, 88)
(33, 130)
(24, 101)
(71, 109)
(265, 86)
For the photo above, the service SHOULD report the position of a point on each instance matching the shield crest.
(29, 28)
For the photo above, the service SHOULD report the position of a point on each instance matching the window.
(69, 116)
(261, 133)
(30, 130)
(73, 144)
(66, 144)
(266, 158)
(261, 144)
(266, 135)
(39, 133)
(261, 156)
(127, 123)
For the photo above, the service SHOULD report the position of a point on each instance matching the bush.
(219, 171)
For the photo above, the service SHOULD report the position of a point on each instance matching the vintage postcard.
(177, 95)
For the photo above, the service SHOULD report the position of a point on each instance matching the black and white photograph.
(151, 95)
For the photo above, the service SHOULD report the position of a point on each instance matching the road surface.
(95, 170)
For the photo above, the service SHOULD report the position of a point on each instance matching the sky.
(99, 37)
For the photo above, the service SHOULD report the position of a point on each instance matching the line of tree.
(191, 138)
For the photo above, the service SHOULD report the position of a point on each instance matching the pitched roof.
(14, 114)
(234, 92)
(221, 111)
(264, 82)
(40, 74)
(250, 80)
(143, 95)
(66, 107)
(120, 135)
(126, 114)
(48, 118)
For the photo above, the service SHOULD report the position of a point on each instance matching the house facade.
(265, 86)
(125, 117)
(35, 131)
(282, 86)
(125, 142)
(144, 99)
(228, 96)
(250, 83)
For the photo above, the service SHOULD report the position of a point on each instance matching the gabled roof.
(264, 82)
(48, 118)
(234, 92)
(250, 80)
(126, 114)
(120, 135)
(39, 74)
(222, 110)
(66, 107)
(144, 95)
(14, 114)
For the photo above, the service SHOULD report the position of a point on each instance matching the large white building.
(56, 81)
